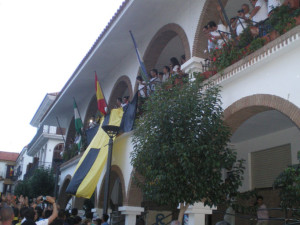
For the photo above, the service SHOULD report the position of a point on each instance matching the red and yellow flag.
(102, 106)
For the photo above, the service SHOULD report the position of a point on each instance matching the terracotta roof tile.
(8, 156)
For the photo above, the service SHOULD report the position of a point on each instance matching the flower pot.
(297, 19)
(273, 35)
(254, 31)
(293, 4)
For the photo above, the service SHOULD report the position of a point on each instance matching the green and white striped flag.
(78, 126)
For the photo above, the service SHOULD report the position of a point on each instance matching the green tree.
(40, 183)
(288, 182)
(181, 147)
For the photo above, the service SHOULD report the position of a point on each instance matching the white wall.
(244, 149)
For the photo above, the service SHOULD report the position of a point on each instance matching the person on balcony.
(260, 11)
(218, 33)
(272, 4)
(119, 102)
(125, 101)
(141, 87)
(175, 66)
(246, 9)
(241, 23)
(154, 81)
(210, 44)
(166, 72)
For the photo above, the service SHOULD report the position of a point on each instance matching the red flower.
(214, 59)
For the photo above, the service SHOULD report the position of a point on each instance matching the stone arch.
(209, 12)
(63, 197)
(243, 109)
(91, 110)
(115, 173)
(134, 193)
(160, 40)
(120, 87)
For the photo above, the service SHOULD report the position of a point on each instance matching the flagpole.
(102, 91)
(61, 131)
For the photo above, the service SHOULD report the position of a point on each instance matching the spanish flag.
(102, 106)
(91, 164)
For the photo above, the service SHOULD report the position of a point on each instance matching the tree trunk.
(183, 208)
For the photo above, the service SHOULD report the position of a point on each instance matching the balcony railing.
(30, 172)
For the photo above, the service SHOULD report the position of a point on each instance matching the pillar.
(130, 213)
(194, 64)
(197, 213)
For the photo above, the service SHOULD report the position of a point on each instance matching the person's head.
(174, 62)
(205, 29)
(119, 102)
(48, 213)
(182, 58)
(259, 200)
(6, 214)
(254, 2)
(105, 217)
(246, 8)
(61, 214)
(166, 69)
(89, 215)
(241, 13)
(125, 99)
(232, 20)
(29, 213)
(74, 212)
(98, 221)
(38, 212)
(175, 222)
(212, 26)
(22, 211)
(77, 220)
(154, 73)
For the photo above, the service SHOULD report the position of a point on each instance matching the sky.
(41, 44)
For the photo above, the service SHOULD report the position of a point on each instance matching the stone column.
(130, 213)
(194, 64)
(197, 213)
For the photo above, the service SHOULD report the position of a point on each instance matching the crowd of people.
(157, 78)
(217, 34)
(42, 211)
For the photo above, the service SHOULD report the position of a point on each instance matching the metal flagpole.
(61, 131)
(226, 18)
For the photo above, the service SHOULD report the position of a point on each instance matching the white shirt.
(272, 4)
(241, 25)
(141, 90)
(42, 222)
(262, 13)
(165, 77)
(216, 33)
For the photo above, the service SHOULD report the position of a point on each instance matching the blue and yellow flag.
(91, 164)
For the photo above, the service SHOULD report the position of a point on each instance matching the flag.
(102, 106)
(91, 164)
(129, 115)
(78, 126)
(142, 65)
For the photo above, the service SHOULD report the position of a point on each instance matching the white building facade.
(260, 94)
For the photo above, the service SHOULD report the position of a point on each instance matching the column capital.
(131, 210)
(194, 64)
(199, 208)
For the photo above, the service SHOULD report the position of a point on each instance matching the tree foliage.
(181, 147)
(40, 183)
(289, 184)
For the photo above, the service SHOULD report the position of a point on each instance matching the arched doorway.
(63, 197)
(116, 190)
(265, 132)
(121, 89)
(210, 13)
(169, 41)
